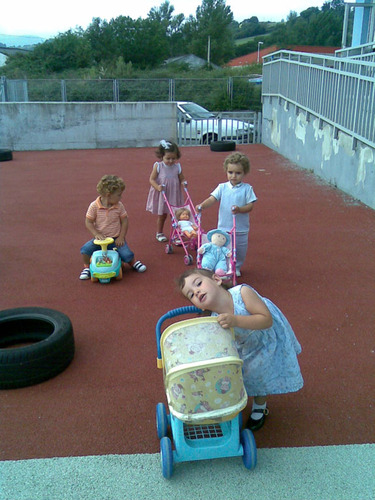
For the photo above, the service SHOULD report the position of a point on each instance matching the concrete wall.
(313, 146)
(48, 125)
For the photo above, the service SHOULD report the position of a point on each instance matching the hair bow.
(164, 144)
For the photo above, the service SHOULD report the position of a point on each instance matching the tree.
(100, 36)
(172, 26)
(67, 51)
(213, 21)
(313, 27)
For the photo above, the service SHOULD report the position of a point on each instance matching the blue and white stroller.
(205, 393)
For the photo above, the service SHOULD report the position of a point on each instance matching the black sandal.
(253, 424)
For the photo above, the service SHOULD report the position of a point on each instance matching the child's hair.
(180, 211)
(108, 184)
(167, 147)
(238, 158)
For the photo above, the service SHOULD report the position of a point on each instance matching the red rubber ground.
(311, 252)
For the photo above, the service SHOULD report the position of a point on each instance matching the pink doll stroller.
(186, 228)
(229, 249)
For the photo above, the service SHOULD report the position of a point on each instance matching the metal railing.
(240, 127)
(338, 91)
(365, 52)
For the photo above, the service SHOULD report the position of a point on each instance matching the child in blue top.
(235, 197)
(264, 338)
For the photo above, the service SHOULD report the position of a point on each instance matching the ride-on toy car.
(105, 264)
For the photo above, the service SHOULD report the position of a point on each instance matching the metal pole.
(259, 44)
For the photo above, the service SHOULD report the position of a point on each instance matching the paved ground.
(311, 252)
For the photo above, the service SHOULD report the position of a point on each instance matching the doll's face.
(185, 215)
(218, 239)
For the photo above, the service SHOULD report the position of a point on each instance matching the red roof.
(253, 57)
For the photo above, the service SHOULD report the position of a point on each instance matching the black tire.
(49, 350)
(223, 146)
(6, 155)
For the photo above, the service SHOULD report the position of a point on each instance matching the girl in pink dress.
(167, 173)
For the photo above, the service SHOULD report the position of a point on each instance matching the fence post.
(171, 89)
(259, 127)
(230, 89)
(25, 90)
(116, 93)
(63, 91)
(3, 89)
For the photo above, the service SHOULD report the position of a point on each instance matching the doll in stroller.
(204, 387)
(185, 230)
(218, 254)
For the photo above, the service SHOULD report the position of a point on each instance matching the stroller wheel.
(166, 455)
(161, 420)
(188, 259)
(249, 457)
(168, 249)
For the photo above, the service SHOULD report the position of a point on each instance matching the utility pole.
(209, 51)
(259, 44)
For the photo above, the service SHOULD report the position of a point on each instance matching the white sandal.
(161, 237)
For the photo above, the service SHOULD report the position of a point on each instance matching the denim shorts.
(124, 252)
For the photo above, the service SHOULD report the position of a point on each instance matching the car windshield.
(196, 111)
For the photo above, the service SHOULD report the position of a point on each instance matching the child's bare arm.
(206, 203)
(91, 227)
(120, 240)
(181, 177)
(153, 178)
(260, 317)
(244, 209)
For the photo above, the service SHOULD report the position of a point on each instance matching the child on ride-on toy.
(107, 217)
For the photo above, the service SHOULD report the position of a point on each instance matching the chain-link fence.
(218, 94)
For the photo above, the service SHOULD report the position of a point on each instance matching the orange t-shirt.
(107, 220)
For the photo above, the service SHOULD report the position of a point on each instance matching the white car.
(199, 126)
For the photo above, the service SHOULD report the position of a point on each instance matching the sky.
(46, 18)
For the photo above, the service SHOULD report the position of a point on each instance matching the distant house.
(194, 62)
(253, 57)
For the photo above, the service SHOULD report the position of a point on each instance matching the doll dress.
(270, 355)
(169, 177)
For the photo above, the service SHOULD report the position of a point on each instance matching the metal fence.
(339, 91)
(230, 92)
(363, 52)
(239, 127)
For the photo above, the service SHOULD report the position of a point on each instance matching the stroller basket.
(202, 372)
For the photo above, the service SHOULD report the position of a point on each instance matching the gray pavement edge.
(308, 473)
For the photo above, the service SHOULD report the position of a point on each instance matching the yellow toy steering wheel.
(104, 243)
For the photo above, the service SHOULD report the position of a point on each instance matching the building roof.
(252, 58)
(191, 60)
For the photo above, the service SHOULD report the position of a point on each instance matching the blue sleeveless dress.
(269, 356)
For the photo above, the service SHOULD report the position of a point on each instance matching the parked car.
(257, 80)
(199, 126)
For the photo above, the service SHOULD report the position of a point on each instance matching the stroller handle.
(171, 314)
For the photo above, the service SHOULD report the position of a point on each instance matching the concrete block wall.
(57, 125)
(314, 146)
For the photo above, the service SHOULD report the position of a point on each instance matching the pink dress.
(168, 176)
